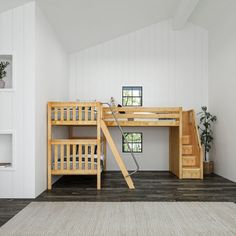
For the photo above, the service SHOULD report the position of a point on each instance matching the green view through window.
(135, 141)
(132, 96)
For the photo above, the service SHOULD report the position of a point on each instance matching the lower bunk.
(76, 157)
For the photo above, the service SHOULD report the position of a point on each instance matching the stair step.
(191, 173)
(187, 149)
(188, 161)
(186, 139)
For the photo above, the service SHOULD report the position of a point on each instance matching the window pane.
(137, 92)
(137, 101)
(127, 92)
(129, 137)
(125, 148)
(137, 147)
(137, 137)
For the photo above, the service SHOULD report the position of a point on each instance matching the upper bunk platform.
(142, 116)
(90, 113)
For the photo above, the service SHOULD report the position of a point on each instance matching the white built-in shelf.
(9, 82)
(7, 150)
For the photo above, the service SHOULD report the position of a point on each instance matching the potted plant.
(206, 119)
(3, 73)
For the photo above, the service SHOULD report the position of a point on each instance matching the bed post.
(49, 147)
(180, 143)
(98, 146)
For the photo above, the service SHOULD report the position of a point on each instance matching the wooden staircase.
(191, 147)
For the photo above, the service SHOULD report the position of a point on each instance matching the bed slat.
(92, 157)
(80, 114)
(68, 114)
(86, 156)
(74, 113)
(80, 156)
(62, 156)
(92, 113)
(55, 157)
(74, 157)
(68, 156)
(86, 113)
(55, 113)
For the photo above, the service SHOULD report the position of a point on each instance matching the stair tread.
(191, 168)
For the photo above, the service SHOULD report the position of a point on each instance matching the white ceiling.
(8, 4)
(84, 23)
(209, 13)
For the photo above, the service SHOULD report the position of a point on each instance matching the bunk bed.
(75, 156)
(87, 156)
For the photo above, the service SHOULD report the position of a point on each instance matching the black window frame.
(124, 143)
(132, 88)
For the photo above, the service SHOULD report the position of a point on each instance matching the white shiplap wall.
(170, 65)
(17, 105)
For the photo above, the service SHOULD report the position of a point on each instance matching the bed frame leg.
(98, 181)
(49, 181)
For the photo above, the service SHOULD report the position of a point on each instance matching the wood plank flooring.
(150, 186)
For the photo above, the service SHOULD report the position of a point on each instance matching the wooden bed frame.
(75, 156)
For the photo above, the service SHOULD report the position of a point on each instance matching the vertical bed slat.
(86, 113)
(55, 157)
(74, 113)
(92, 157)
(62, 156)
(80, 156)
(74, 156)
(92, 113)
(55, 113)
(61, 113)
(68, 156)
(80, 114)
(68, 114)
(86, 156)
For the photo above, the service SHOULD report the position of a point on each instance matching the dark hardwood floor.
(150, 186)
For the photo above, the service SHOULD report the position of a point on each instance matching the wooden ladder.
(116, 154)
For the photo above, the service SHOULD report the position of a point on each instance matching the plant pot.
(2, 83)
(208, 167)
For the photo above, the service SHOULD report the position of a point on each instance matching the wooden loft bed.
(76, 156)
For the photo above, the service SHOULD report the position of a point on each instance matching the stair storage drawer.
(186, 139)
(189, 161)
(189, 173)
(187, 149)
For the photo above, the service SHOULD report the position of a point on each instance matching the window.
(132, 96)
(135, 141)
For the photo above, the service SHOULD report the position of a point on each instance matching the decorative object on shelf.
(3, 73)
(206, 119)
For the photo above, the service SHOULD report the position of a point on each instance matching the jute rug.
(124, 218)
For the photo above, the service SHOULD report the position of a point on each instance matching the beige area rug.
(124, 218)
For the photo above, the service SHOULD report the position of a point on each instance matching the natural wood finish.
(174, 151)
(49, 147)
(189, 161)
(99, 146)
(117, 155)
(68, 156)
(74, 156)
(55, 157)
(80, 157)
(192, 150)
(62, 156)
(185, 150)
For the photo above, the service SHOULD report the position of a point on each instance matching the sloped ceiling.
(84, 23)
(209, 13)
(8, 4)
